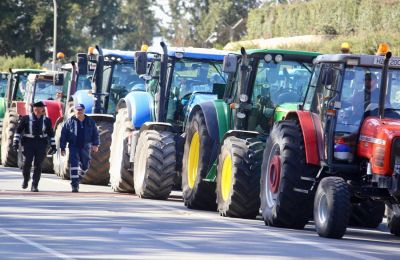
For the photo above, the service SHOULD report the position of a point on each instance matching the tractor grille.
(395, 155)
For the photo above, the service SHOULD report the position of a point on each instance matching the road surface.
(97, 223)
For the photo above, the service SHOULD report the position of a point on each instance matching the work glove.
(53, 150)
(15, 147)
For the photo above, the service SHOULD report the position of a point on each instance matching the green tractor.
(14, 92)
(225, 138)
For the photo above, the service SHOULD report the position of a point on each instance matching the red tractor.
(338, 157)
(46, 87)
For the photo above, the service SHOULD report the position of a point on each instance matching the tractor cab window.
(276, 84)
(123, 80)
(190, 76)
(21, 86)
(46, 90)
(3, 84)
(84, 82)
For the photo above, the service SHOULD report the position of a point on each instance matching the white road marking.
(153, 235)
(37, 245)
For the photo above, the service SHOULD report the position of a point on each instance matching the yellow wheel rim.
(226, 178)
(194, 154)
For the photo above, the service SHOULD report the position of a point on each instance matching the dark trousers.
(34, 151)
(79, 159)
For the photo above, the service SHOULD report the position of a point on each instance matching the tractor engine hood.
(377, 141)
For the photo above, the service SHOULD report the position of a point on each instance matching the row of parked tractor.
(296, 136)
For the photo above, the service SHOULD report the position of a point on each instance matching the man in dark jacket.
(35, 130)
(80, 132)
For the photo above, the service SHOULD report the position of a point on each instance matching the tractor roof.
(126, 56)
(19, 71)
(358, 59)
(282, 51)
(192, 53)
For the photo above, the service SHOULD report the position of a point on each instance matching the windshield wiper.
(219, 72)
(302, 64)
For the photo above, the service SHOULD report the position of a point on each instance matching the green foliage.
(18, 62)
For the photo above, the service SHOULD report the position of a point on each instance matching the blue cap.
(79, 106)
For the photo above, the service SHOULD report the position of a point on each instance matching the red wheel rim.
(274, 173)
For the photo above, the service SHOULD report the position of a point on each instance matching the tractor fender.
(158, 126)
(242, 134)
(53, 111)
(216, 117)
(140, 107)
(86, 98)
(312, 134)
(197, 98)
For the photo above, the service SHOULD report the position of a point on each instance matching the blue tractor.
(105, 76)
(148, 138)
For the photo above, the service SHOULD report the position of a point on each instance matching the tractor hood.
(377, 136)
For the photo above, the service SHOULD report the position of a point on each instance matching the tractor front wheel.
(332, 207)
(121, 173)
(155, 164)
(285, 187)
(238, 177)
(393, 221)
(8, 156)
(367, 214)
(197, 159)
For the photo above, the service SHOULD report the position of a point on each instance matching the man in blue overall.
(35, 130)
(80, 132)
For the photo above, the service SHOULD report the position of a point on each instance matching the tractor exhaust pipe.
(98, 80)
(163, 84)
(382, 93)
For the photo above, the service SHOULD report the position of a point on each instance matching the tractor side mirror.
(59, 79)
(141, 62)
(230, 63)
(82, 63)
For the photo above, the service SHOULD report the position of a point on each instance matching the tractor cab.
(183, 77)
(3, 83)
(46, 87)
(268, 84)
(345, 93)
(113, 75)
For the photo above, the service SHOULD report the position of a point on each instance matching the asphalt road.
(99, 224)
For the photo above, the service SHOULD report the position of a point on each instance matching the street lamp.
(54, 35)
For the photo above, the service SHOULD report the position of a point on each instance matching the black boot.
(34, 188)
(25, 184)
(75, 189)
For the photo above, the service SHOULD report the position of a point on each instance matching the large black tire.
(47, 166)
(332, 207)
(8, 156)
(155, 164)
(238, 178)
(1, 133)
(98, 173)
(121, 173)
(393, 222)
(197, 160)
(285, 197)
(367, 214)
(60, 163)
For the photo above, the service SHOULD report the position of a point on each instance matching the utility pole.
(54, 35)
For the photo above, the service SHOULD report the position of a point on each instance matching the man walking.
(80, 132)
(35, 130)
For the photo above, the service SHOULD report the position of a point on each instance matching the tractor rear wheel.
(332, 207)
(393, 221)
(121, 173)
(8, 156)
(367, 214)
(98, 173)
(60, 163)
(197, 158)
(155, 164)
(238, 178)
(285, 198)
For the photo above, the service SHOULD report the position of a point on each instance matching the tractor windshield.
(46, 90)
(83, 82)
(283, 82)
(195, 76)
(21, 87)
(122, 78)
